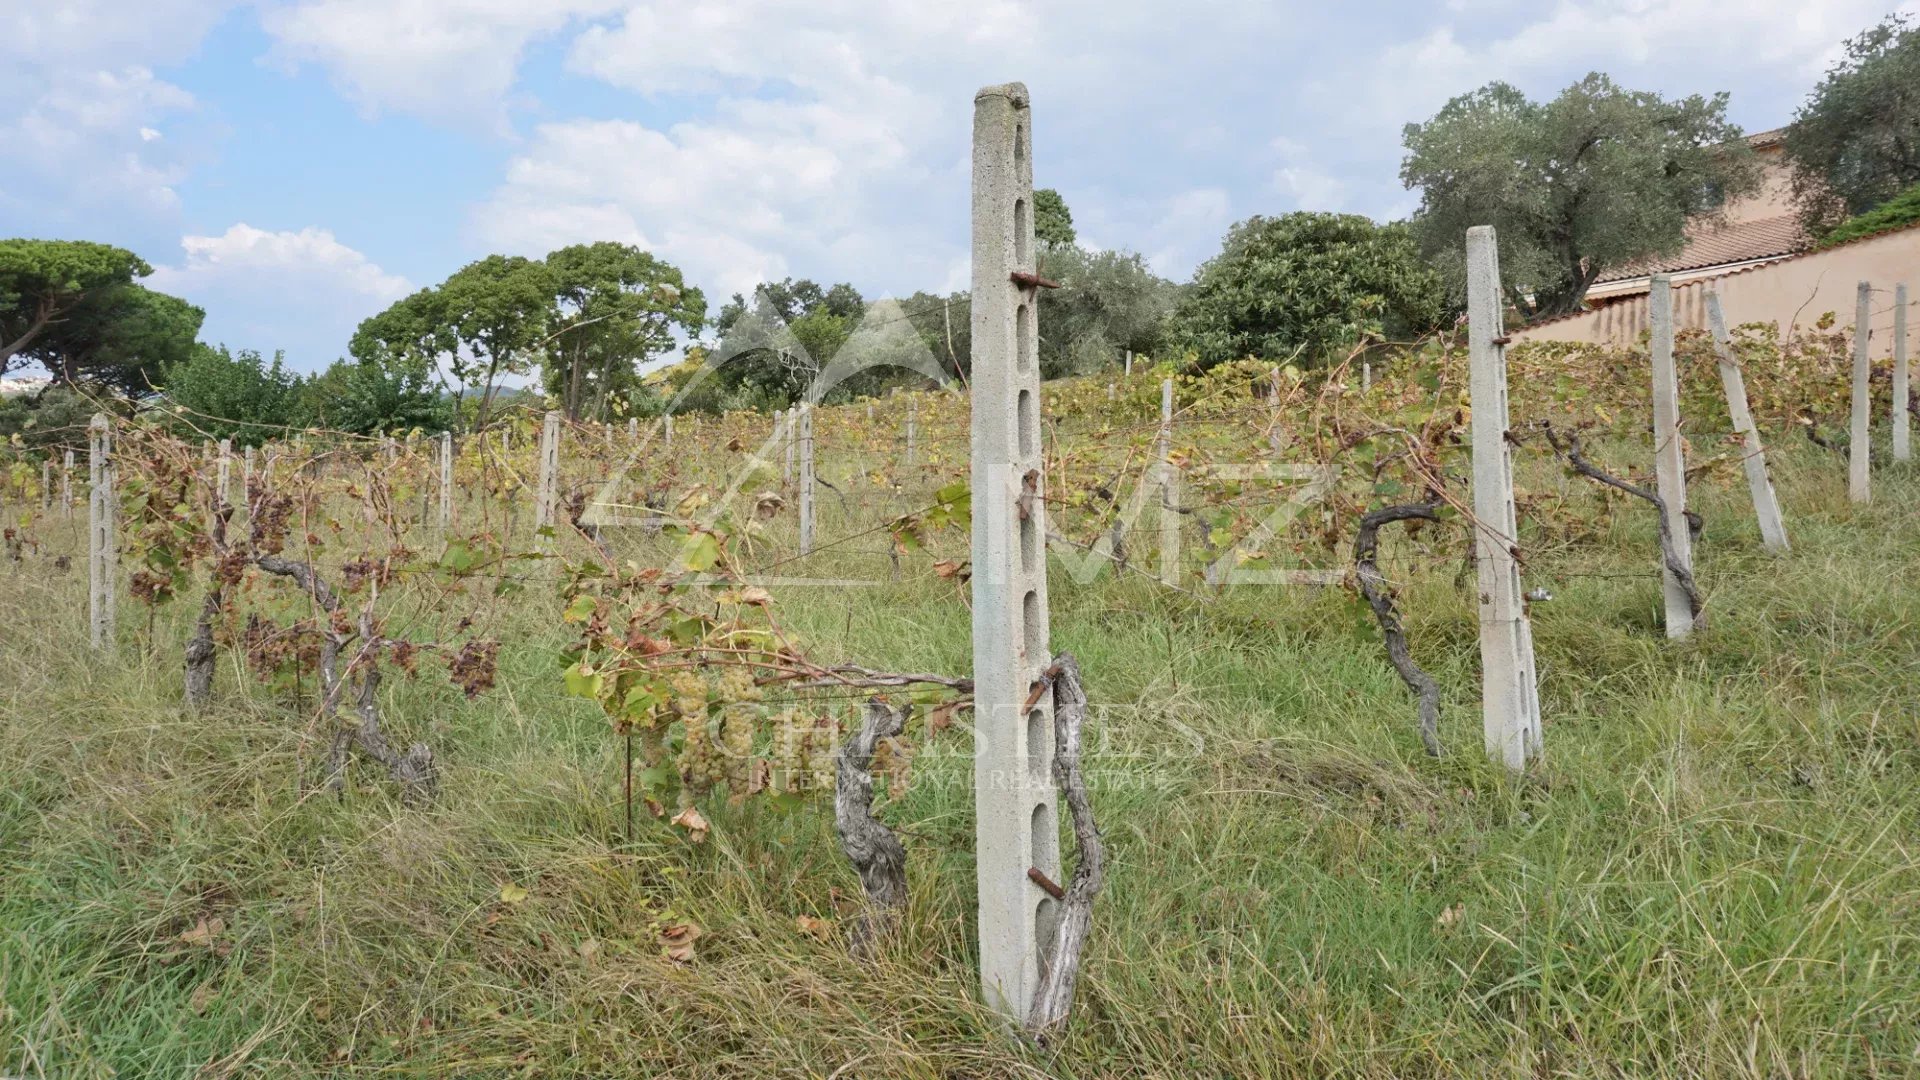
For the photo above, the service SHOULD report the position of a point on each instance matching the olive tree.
(1855, 143)
(1595, 180)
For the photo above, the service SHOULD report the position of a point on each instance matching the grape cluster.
(802, 751)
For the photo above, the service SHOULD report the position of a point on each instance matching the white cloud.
(1690, 46)
(277, 259)
(80, 142)
(450, 60)
(301, 289)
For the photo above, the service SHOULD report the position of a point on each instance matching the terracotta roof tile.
(1724, 245)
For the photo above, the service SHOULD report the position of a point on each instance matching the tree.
(415, 330)
(795, 329)
(1595, 180)
(1052, 221)
(617, 307)
(43, 281)
(499, 307)
(1855, 143)
(1108, 302)
(124, 336)
(368, 398)
(789, 299)
(235, 395)
(54, 419)
(1899, 212)
(1314, 283)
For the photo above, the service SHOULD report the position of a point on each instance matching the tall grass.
(1711, 874)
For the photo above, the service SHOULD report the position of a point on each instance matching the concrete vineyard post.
(786, 472)
(806, 478)
(223, 474)
(102, 560)
(913, 417)
(446, 480)
(547, 496)
(1168, 484)
(66, 483)
(1128, 370)
(1366, 377)
(1509, 694)
(1669, 453)
(1860, 430)
(669, 431)
(1902, 377)
(246, 476)
(1766, 508)
(1016, 823)
(46, 485)
(633, 429)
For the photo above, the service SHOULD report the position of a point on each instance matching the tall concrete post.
(46, 485)
(1766, 508)
(1669, 452)
(102, 559)
(1902, 396)
(633, 429)
(246, 476)
(66, 483)
(669, 431)
(806, 478)
(913, 419)
(1509, 694)
(1016, 822)
(1168, 483)
(446, 481)
(1860, 431)
(547, 495)
(223, 473)
(786, 426)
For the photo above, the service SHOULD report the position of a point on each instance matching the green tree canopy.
(1595, 180)
(1052, 221)
(370, 397)
(52, 420)
(1108, 302)
(795, 329)
(1309, 282)
(234, 395)
(124, 336)
(1898, 212)
(500, 308)
(43, 282)
(415, 328)
(1855, 143)
(790, 299)
(618, 308)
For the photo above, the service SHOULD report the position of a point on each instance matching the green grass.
(1712, 873)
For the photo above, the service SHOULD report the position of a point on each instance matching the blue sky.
(295, 165)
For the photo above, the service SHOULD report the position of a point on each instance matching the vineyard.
(514, 753)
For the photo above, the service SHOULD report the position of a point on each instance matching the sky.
(294, 166)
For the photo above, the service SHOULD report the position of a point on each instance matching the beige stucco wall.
(1792, 292)
(1775, 196)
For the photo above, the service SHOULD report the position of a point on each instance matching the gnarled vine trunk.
(1379, 595)
(1568, 446)
(414, 770)
(875, 852)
